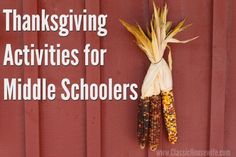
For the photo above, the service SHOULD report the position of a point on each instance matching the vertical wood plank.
(230, 108)
(125, 63)
(218, 85)
(93, 108)
(32, 135)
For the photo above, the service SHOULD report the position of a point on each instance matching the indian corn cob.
(143, 122)
(169, 116)
(157, 87)
(155, 122)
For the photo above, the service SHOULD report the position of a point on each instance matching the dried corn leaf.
(156, 38)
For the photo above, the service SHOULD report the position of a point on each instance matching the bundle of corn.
(157, 85)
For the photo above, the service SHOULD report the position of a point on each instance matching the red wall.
(204, 83)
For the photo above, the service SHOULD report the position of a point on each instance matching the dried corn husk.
(158, 79)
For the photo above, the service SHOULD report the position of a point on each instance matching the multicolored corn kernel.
(143, 122)
(169, 116)
(155, 122)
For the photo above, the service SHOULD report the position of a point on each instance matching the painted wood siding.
(204, 83)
